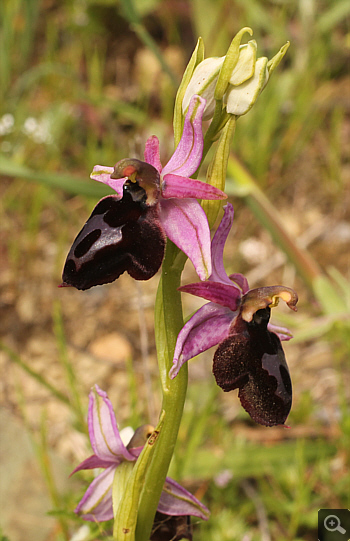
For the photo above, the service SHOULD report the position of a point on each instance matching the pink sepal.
(186, 224)
(241, 281)
(96, 504)
(93, 462)
(177, 501)
(103, 173)
(103, 430)
(151, 153)
(206, 328)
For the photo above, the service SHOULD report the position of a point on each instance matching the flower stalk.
(168, 323)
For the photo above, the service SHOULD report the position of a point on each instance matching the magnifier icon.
(332, 524)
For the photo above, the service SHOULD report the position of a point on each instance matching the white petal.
(239, 99)
(203, 83)
(245, 66)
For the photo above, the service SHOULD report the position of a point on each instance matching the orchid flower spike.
(109, 453)
(250, 355)
(127, 231)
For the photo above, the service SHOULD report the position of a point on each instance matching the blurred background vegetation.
(85, 82)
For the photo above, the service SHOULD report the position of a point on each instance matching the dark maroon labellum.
(171, 528)
(252, 360)
(120, 235)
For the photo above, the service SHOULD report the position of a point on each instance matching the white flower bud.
(240, 99)
(245, 66)
(237, 78)
(203, 83)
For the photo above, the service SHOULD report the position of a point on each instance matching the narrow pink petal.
(176, 186)
(223, 294)
(101, 170)
(188, 154)
(206, 328)
(241, 281)
(217, 246)
(186, 224)
(93, 462)
(136, 451)
(283, 333)
(177, 501)
(96, 504)
(103, 430)
(152, 153)
(103, 173)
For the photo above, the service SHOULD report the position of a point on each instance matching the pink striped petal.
(206, 328)
(102, 173)
(186, 224)
(241, 281)
(136, 451)
(188, 154)
(177, 501)
(96, 504)
(176, 186)
(283, 333)
(152, 153)
(103, 430)
(218, 244)
(223, 294)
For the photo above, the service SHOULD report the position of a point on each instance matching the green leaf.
(336, 14)
(68, 183)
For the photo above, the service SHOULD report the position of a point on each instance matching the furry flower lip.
(249, 354)
(110, 453)
(116, 238)
(127, 231)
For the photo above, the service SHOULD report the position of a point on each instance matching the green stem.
(213, 130)
(168, 323)
(216, 173)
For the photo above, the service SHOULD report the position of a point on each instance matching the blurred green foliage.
(85, 82)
